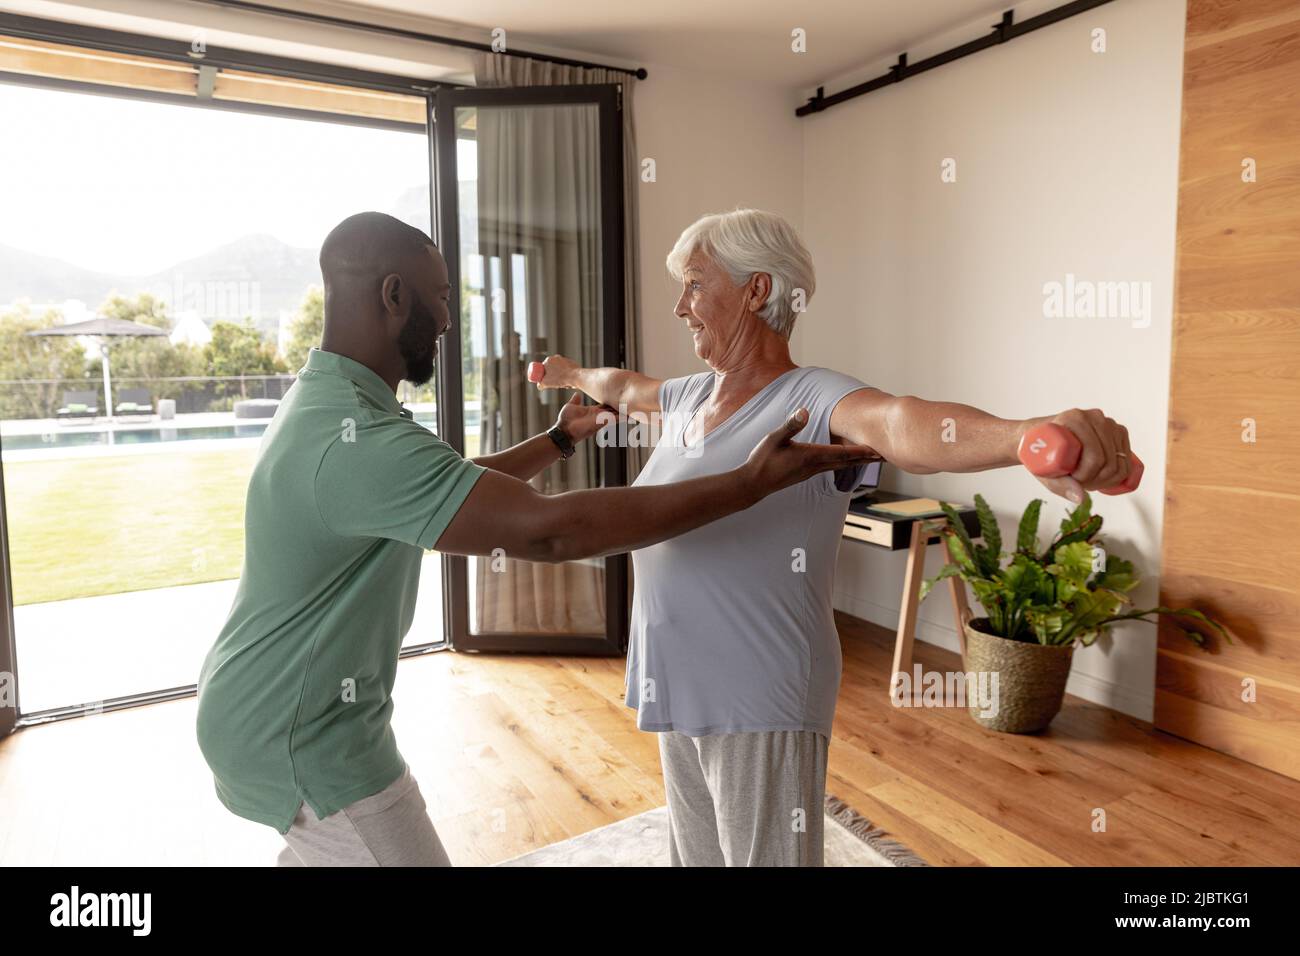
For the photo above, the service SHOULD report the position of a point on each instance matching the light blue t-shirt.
(732, 625)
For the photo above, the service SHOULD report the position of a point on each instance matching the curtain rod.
(1003, 31)
(640, 73)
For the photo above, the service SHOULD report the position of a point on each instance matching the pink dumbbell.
(1052, 451)
(536, 371)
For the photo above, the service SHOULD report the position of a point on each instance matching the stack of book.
(886, 519)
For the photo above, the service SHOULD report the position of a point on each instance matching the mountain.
(25, 275)
(255, 275)
(413, 206)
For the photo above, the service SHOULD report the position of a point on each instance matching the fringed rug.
(642, 840)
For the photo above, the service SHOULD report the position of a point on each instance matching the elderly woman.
(733, 658)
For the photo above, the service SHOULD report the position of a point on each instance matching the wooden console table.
(898, 533)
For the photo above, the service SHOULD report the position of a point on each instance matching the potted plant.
(1038, 606)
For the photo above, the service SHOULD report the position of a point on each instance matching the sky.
(124, 186)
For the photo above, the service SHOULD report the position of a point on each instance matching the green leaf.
(959, 530)
(992, 599)
(1078, 516)
(1091, 608)
(1047, 623)
(962, 558)
(1084, 532)
(1119, 575)
(1027, 535)
(988, 560)
(1072, 562)
(947, 571)
(1192, 635)
(1197, 615)
(1116, 597)
(1023, 575)
(992, 552)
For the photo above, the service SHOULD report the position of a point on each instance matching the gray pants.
(388, 828)
(750, 799)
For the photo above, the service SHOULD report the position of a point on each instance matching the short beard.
(417, 344)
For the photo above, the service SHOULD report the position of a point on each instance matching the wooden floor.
(514, 753)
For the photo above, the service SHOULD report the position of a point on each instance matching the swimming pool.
(130, 436)
(135, 435)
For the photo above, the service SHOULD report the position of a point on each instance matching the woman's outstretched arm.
(924, 437)
(619, 388)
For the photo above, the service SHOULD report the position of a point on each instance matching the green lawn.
(85, 526)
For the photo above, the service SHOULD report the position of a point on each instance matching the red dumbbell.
(536, 371)
(1052, 451)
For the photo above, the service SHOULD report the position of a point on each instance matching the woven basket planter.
(1031, 679)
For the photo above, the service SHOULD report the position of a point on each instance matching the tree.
(238, 350)
(148, 360)
(34, 371)
(144, 308)
(306, 329)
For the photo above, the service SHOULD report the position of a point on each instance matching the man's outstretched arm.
(503, 512)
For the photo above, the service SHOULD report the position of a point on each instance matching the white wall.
(717, 144)
(1066, 163)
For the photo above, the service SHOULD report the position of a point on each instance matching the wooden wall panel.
(1232, 507)
(38, 58)
(59, 61)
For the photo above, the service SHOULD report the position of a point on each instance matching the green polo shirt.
(346, 495)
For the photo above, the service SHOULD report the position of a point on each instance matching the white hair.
(748, 241)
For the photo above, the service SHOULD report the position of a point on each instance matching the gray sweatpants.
(748, 799)
(388, 828)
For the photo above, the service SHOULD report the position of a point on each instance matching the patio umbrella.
(104, 329)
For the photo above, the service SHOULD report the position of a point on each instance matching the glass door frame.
(443, 103)
(9, 702)
(96, 38)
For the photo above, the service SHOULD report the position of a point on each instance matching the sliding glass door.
(124, 459)
(530, 222)
(192, 237)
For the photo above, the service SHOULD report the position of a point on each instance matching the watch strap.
(562, 441)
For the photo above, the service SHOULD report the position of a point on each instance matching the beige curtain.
(493, 69)
(539, 220)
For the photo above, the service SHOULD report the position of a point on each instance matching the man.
(347, 494)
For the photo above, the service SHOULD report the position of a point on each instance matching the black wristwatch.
(562, 441)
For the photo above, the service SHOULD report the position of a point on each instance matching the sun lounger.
(133, 401)
(77, 405)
